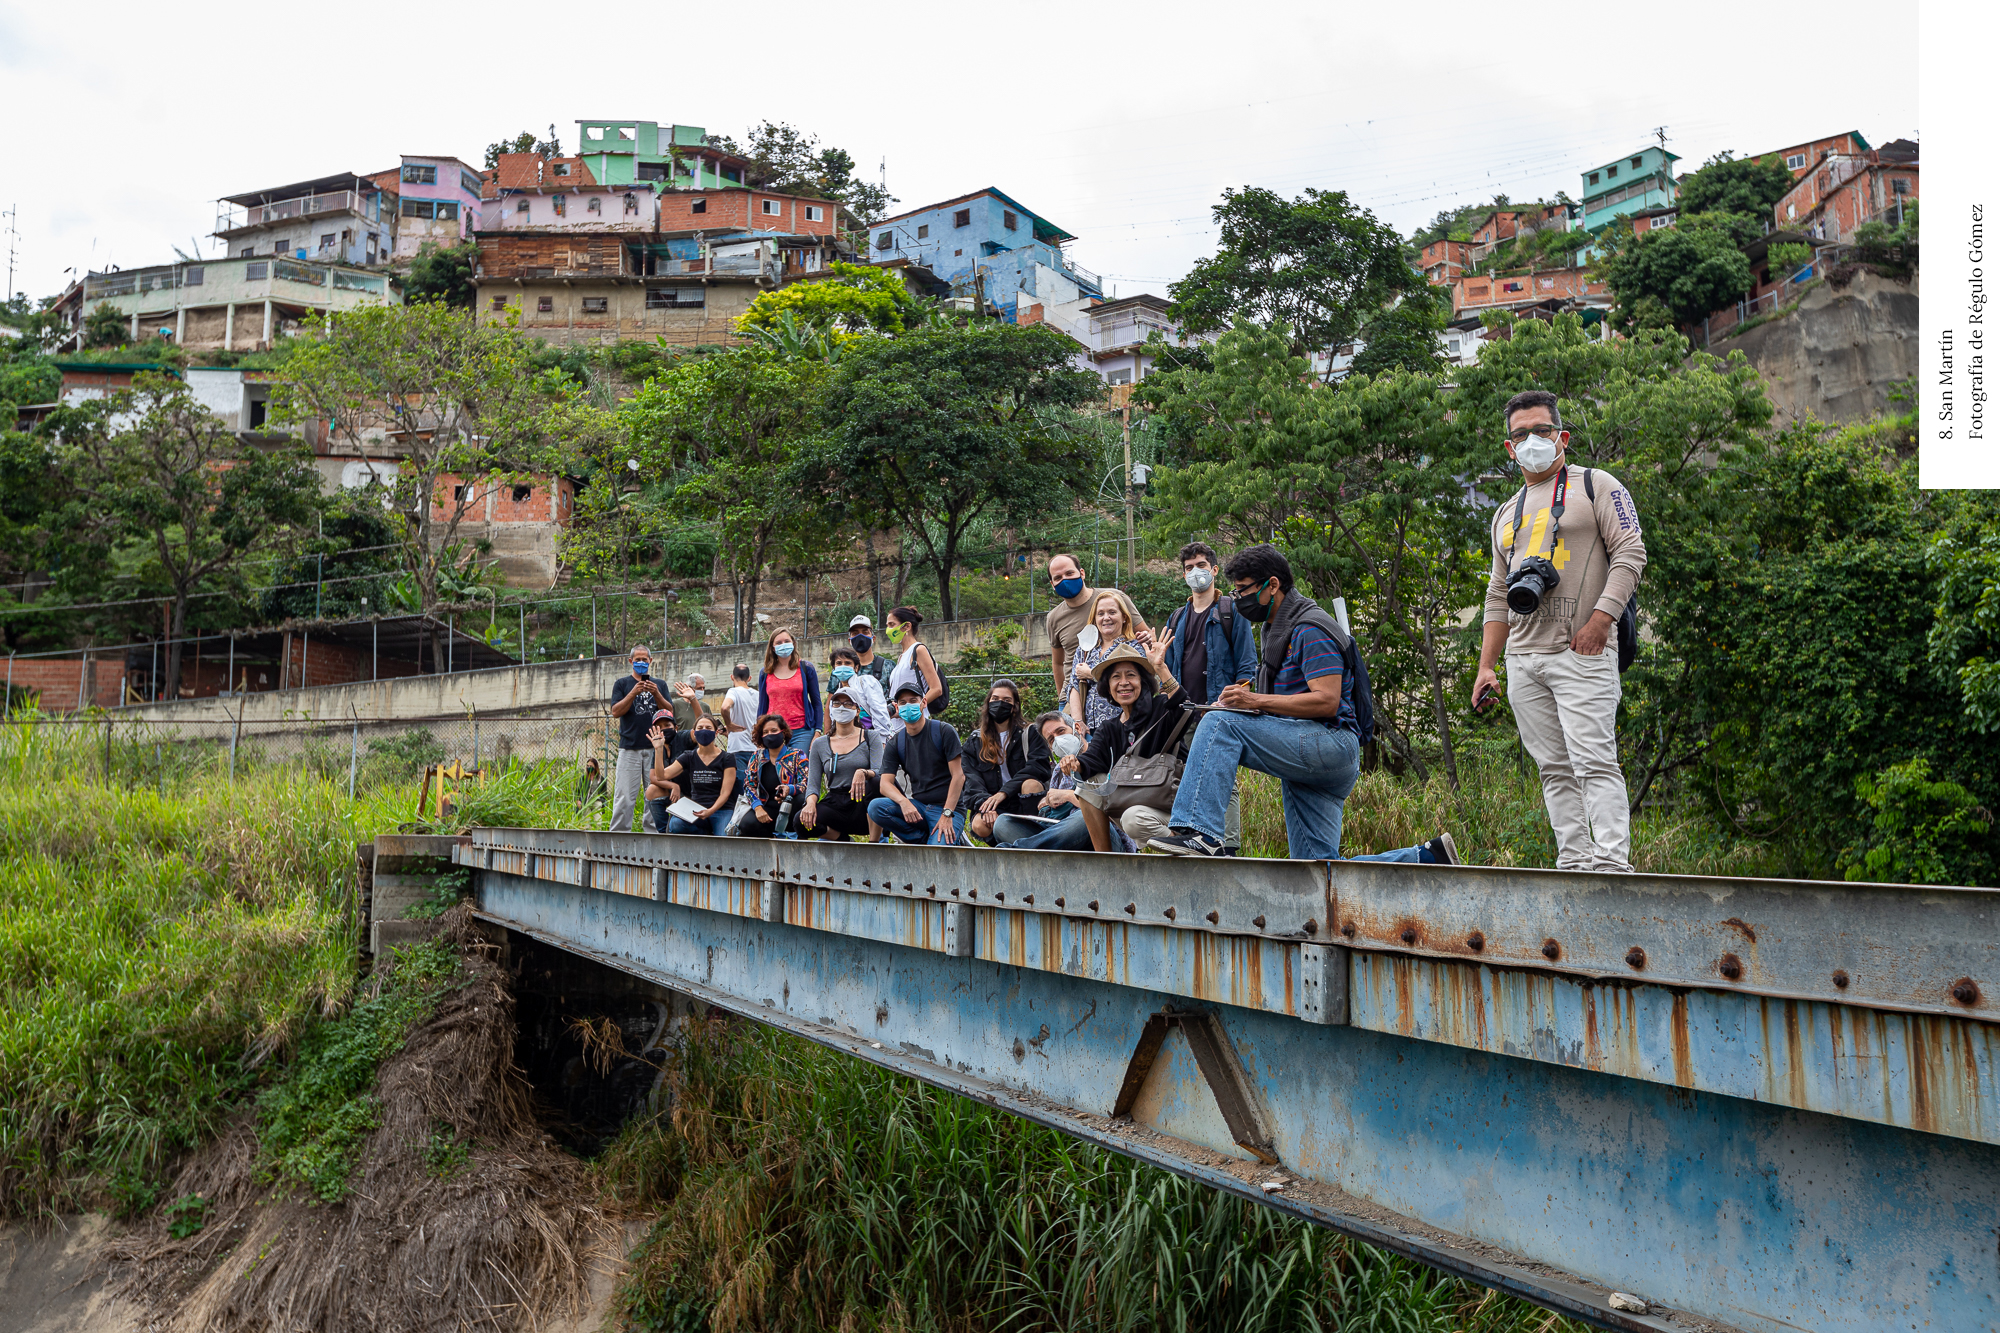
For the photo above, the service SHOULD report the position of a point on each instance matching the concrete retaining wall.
(543, 687)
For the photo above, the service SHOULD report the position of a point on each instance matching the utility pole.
(1131, 541)
(13, 234)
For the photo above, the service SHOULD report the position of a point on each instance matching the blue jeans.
(1316, 766)
(1068, 834)
(889, 817)
(714, 825)
(742, 759)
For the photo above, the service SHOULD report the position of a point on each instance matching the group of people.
(1154, 727)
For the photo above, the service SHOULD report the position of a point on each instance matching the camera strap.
(1555, 514)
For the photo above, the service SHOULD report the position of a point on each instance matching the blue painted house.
(1642, 180)
(987, 242)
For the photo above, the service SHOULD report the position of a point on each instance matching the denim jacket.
(1230, 658)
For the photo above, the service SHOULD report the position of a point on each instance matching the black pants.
(842, 814)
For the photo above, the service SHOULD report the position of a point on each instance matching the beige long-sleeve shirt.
(1599, 555)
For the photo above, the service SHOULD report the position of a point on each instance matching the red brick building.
(1443, 261)
(1844, 190)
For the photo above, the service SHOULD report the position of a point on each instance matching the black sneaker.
(1189, 843)
(1443, 850)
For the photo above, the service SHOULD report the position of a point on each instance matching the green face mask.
(896, 633)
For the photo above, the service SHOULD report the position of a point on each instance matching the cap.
(861, 620)
(843, 694)
(909, 688)
(1123, 654)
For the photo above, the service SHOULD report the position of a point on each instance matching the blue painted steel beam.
(1760, 1216)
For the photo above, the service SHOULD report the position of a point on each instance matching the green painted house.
(1644, 179)
(627, 152)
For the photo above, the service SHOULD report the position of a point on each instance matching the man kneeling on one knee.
(923, 776)
(1298, 724)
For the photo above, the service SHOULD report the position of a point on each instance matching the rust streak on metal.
(1795, 1054)
(1593, 1050)
(1251, 952)
(1741, 927)
(1406, 1008)
(1918, 1055)
(1017, 936)
(1291, 984)
(1683, 1054)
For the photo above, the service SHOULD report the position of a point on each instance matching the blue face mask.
(1069, 587)
(782, 649)
(641, 670)
(911, 712)
(842, 674)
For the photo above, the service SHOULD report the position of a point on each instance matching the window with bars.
(596, 305)
(416, 175)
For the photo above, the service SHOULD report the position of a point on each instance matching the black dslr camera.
(1528, 584)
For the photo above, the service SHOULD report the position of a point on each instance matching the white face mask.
(843, 714)
(1536, 454)
(1201, 580)
(1066, 745)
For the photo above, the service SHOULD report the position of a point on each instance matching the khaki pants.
(1142, 823)
(1566, 706)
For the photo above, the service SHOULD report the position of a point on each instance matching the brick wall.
(322, 662)
(744, 208)
(495, 503)
(55, 679)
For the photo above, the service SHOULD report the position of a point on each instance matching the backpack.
(1351, 662)
(931, 730)
(1628, 619)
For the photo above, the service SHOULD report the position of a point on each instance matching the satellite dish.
(1086, 638)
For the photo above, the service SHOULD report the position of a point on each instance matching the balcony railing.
(306, 206)
(1080, 273)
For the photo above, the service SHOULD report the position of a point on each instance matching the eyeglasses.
(1520, 433)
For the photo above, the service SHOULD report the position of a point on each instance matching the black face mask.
(1250, 608)
(774, 742)
(861, 642)
(999, 710)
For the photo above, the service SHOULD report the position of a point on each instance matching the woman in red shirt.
(789, 686)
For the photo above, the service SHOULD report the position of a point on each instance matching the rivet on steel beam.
(1409, 936)
(1965, 991)
(1060, 903)
(1170, 913)
(1731, 966)
(954, 893)
(850, 880)
(1635, 957)
(1476, 941)
(1312, 926)
(1347, 929)
(1029, 900)
(1257, 922)
(866, 883)
(1839, 979)
(1131, 909)
(1551, 950)
(1093, 904)
(997, 897)
(1214, 918)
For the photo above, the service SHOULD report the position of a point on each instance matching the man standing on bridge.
(1554, 601)
(1069, 618)
(634, 700)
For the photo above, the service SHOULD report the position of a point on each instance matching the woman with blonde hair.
(1088, 701)
(789, 686)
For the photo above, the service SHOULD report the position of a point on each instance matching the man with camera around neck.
(1567, 556)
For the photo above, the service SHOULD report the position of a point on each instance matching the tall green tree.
(444, 407)
(1361, 485)
(792, 161)
(1319, 264)
(942, 429)
(739, 434)
(524, 142)
(156, 469)
(1687, 270)
(1730, 184)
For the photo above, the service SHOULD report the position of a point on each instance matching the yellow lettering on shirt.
(1538, 531)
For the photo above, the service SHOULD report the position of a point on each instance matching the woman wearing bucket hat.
(1149, 722)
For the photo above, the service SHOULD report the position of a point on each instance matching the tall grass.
(164, 936)
(804, 1190)
(1496, 817)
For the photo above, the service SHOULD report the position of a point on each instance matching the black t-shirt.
(1194, 654)
(703, 782)
(638, 719)
(925, 761)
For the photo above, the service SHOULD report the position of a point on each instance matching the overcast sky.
(1120, 123)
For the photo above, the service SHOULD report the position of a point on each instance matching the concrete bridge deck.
(1757, 1104)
